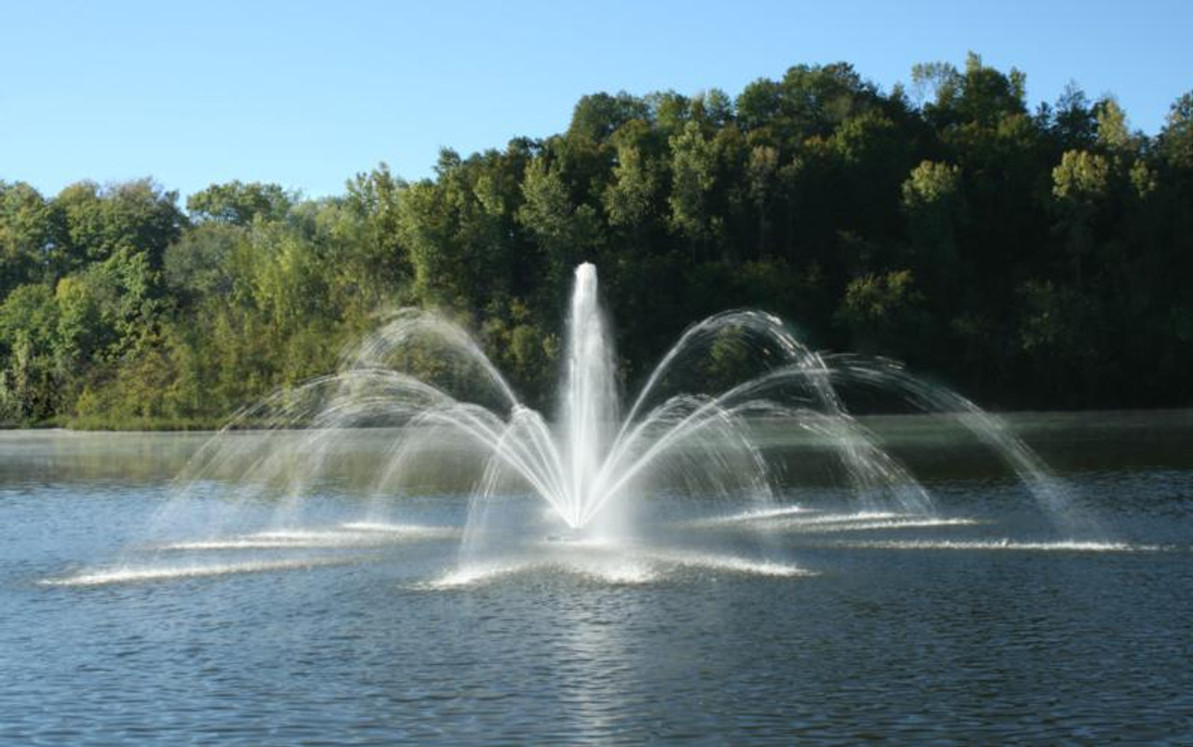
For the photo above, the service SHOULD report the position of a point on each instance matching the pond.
(128, 615)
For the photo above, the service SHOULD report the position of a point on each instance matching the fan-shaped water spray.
(685, 477)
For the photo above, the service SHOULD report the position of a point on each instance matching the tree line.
(1029, 258)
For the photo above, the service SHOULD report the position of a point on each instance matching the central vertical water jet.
(590, 406)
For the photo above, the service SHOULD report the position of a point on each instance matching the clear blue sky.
(306, 94)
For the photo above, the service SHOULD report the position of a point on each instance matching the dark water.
(990, 629)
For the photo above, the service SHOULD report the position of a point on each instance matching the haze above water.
(978, 625)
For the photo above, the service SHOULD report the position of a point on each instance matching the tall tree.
(240, 204)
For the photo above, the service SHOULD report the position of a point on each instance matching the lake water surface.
(124, 618)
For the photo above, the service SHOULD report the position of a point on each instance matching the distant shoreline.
(1123, 418)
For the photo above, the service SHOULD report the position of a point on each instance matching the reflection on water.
(973, 626)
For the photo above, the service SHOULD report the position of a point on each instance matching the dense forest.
(1028, 258)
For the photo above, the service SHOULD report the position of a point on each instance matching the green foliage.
(28, 327)
(371, 229)
(132, 217)
(240, 204)
(884, 312)
(564, 231)
(729, 360)
(523, 351)
(632, 198)
(1073, 121)
(694, 166)
(27, 227)
(933, 200)
(1112, 126)
(1080, 185)
(198, 264)
(1031, 259)
(1176, 141)
(598, 116)
(1081, 178)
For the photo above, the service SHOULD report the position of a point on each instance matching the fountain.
(684, 478)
